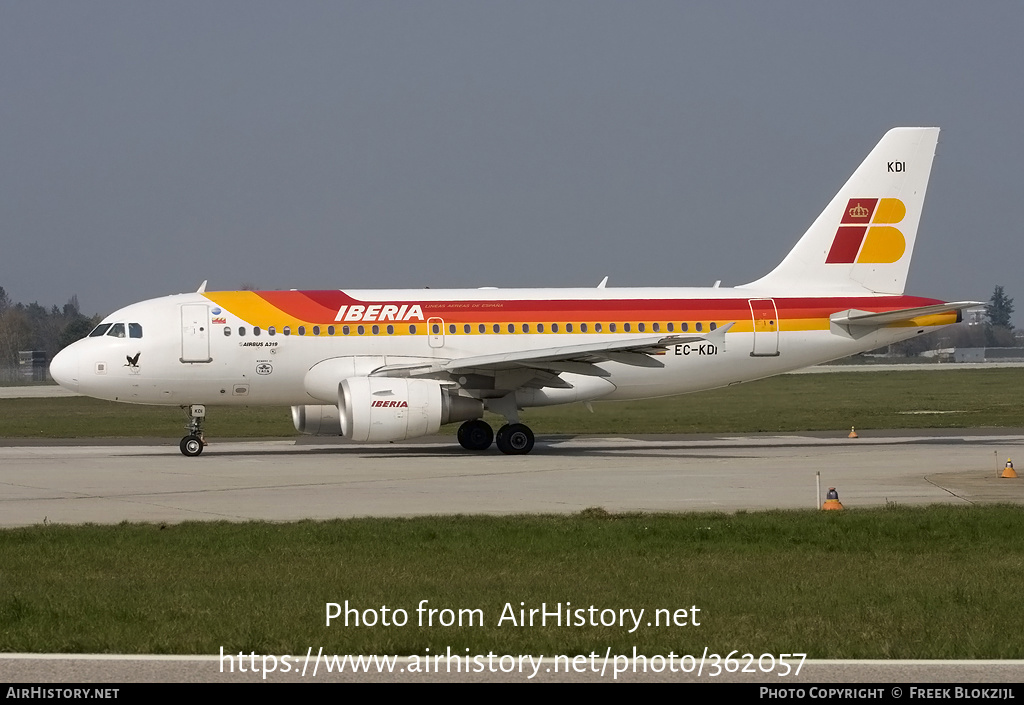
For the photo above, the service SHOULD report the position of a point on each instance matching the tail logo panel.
(866, 235)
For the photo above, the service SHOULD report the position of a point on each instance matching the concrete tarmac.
(289, 480)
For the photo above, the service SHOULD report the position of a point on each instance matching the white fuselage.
(243, 368)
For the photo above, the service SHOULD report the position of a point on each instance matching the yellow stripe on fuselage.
(252, 308)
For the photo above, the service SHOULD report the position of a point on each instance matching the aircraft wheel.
(515, 439)
(476, 435)
(191, 446)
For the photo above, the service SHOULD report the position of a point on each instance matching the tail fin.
(863, 240)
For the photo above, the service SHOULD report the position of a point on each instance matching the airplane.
(387, 365)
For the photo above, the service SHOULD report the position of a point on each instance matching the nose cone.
(64, 368)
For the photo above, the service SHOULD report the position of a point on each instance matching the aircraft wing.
(578, 359)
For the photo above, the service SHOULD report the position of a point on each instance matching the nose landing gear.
(192, 444)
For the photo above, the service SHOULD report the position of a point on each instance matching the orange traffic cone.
(853, 434)
(832, 500)
(1008, 471)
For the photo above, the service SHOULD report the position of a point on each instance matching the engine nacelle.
(392, 409)
(317, 420)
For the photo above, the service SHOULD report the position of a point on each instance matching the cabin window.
(482, 328)
(345, 330)
(412, 330)
(671, 327)
(657, 327)
(451, 328)
(330, 330)
(272, 330)
(99, 330)
(376, 330)
(684, 327)
(700, 327)
(511, 327)
(583, 327)
(497, 328)
(116, 330)
(316, 330)
(526, 327)
(625, 327)
(435, 329)
(241, 330)
(391, 330)
(466, 329)
(597, 327)
(714, 325)
(287, 330)
(641, 327)
(360, 330)
(227, 331)
(255, 330)
(540, 327)
(568, 327)
(302, 330)
(554, 327)
(612, 327)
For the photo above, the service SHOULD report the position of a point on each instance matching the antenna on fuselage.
(202, 288)
(603, 282)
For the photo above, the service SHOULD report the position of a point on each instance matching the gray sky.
(146, 146)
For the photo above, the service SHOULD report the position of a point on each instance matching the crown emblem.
(859, 211)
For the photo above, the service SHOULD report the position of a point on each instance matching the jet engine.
(392, 409)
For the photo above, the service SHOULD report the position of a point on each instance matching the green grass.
(973, 398)
(937, 582)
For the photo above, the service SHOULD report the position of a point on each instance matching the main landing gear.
(192, 444)
(512, 438)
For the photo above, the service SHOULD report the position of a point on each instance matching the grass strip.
(809, 402)
(930, 583)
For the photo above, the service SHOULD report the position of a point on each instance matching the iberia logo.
(866, 235)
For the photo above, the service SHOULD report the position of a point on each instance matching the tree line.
(35, 327)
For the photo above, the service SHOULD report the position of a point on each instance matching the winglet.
(202, 288)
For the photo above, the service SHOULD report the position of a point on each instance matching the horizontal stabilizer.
(858, 323)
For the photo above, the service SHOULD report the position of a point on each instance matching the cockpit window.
(134, 330)
(99, 330)
(116, 330)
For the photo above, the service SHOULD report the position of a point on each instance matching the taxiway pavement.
(289, 480)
